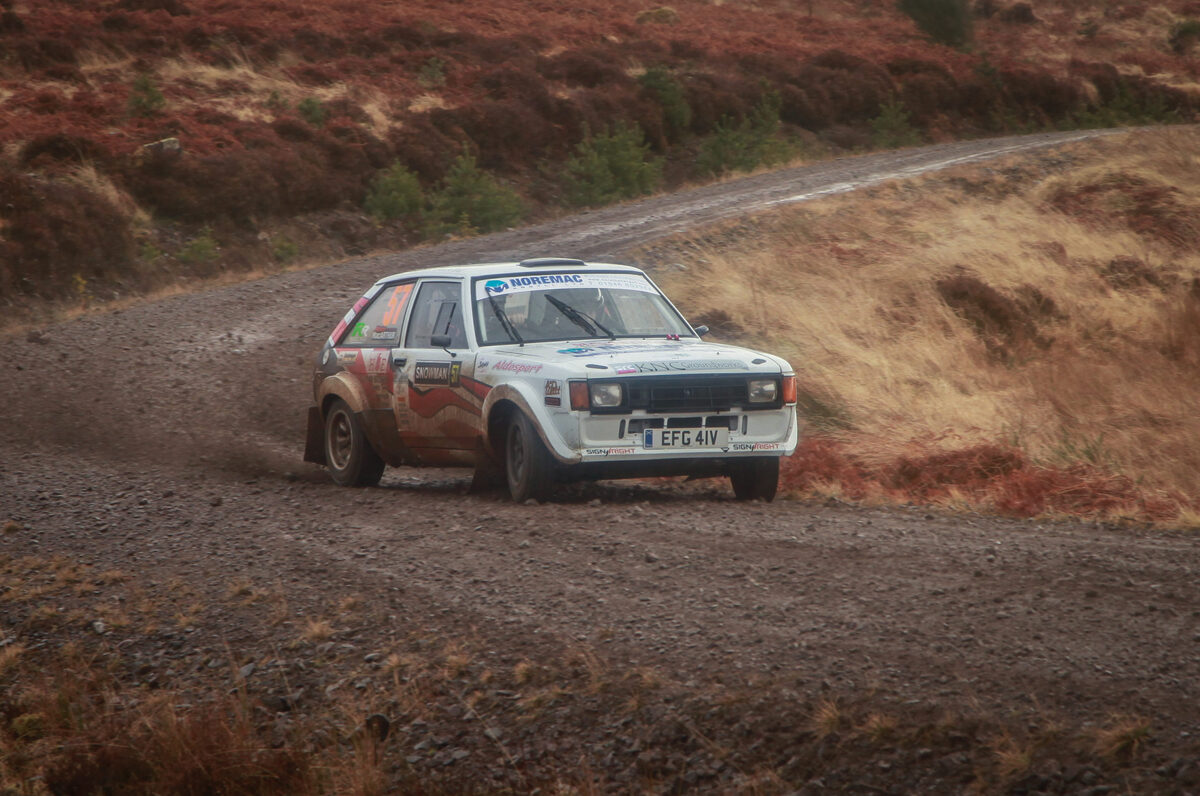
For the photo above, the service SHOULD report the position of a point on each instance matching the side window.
(437, 310)
(379, 324)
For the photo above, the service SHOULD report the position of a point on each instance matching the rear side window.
(379, 324)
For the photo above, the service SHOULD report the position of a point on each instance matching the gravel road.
(165, 440)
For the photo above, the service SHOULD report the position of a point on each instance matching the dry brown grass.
(1086, 369)
(1012, 757)
(316, 630)
(827, 718)
(1122, 736)
(75, 732)
(10, 656)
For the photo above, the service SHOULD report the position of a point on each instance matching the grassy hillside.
(1021, 337)
(145, 141)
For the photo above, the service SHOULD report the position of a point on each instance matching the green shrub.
(313, 111)
(145, 99)
(945, 21)
(29, 726)
(666, 89)
(432, 73)
(612, 166)
(1184, 35)
(284, 250)
(662, 15)
(892, 129)
(471, 201)
(744, 146)
(1127, 107)
(394, 193)
(200, 250)
(148, 252)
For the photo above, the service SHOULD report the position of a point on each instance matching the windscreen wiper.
(504, 320)
(580, 319)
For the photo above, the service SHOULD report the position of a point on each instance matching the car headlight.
(763, 391)
(606, 395)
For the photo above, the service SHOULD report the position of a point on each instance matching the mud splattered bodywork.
(592, 365)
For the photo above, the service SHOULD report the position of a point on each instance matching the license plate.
(685, 437)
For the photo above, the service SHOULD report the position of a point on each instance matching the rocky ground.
(644, 636)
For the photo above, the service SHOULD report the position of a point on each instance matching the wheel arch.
(347, 388)
(498, 418)
(341, 386)
(514, 397)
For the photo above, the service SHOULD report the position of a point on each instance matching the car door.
(365, 351)
(439, 407)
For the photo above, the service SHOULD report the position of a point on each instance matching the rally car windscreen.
(568, 306)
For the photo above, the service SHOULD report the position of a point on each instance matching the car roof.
(535, 266)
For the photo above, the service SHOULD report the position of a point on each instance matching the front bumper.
(606, 439)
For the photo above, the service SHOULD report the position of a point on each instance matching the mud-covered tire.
(349, 457)
(756, 479)
(528, 466)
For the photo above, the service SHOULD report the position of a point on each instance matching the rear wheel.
(527, 464)
(756, 479)
(350, 458)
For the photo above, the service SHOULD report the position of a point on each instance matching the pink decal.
(377, 360)
(516, 367)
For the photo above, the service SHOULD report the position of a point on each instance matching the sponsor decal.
(553, 387)
(766, 446)
(347, 359)
(494, 287)
(681, 365)
(348, 318)
(384, 333)
(441, 373)
(395, 306)
(598, 349)
(609, 451)
(755, 446)
(376, 360)
(553, 400)
(517, 367)
(359, 330)
(525, 284)
(482, 363)
(380, 383)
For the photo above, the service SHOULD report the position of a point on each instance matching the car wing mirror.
(700, 330)
(441, 341)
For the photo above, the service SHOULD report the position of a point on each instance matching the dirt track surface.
(165, 440)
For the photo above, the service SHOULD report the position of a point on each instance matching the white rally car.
(539, 372)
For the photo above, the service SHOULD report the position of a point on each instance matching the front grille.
(686, 393)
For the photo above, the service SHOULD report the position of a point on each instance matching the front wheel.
(527, 464)
(348, 455)
(756, 479)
